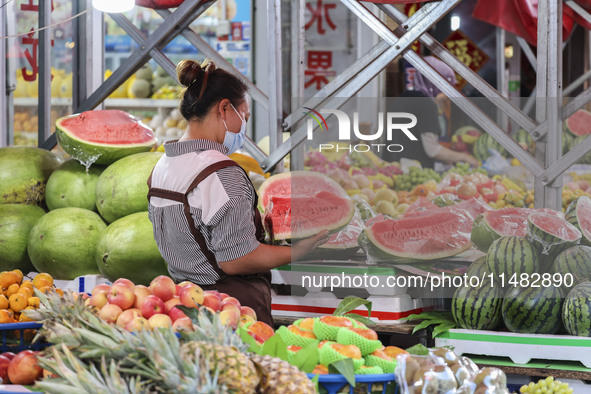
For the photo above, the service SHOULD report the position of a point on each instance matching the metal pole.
(297, 73)
(501, 75)
(528, 52)
(274, 70)
(5, 89)
(576, 83)
(10, 73)
(44, 56)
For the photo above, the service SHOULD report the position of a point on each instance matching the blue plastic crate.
(16, 345)
(334, 382)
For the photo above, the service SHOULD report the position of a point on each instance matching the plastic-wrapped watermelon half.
(159, 4)
(103, 136)
(341, 245)
(435, 234)
(579, 123)
(300, 204)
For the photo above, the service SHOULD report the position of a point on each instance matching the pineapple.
(279, 377)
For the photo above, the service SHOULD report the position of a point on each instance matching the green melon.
(63, 242)
(122, 189)
(477, 308)
(477, 268)
(576, 310)
(127, 249)
(24, 172)
(491, 225)
(483, 143)
(510, 255)
(103, 136)
(16, 222)
(576, 141)
(72, 185)
(551, 234)
(575, 261)
(578, 213)
(534, 310)
(524, 138)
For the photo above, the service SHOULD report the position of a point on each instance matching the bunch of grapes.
(465, 169)
(416, 176)
(548, 385)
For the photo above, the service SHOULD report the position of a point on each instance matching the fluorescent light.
(113, 5)
(455, 22)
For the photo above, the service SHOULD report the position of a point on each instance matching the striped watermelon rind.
(533, 310)
(483, 143)
(578, 211)
(575, 261)
(511, 254)
(491, 225)
(576, 310)
(562, 234)
(477, 268)
(477, 308)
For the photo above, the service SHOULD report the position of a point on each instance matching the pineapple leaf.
(349, 304)
(307, 358)
(346, 368)
(276, 347)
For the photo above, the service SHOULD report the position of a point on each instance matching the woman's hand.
(305, 246)
(471, 160)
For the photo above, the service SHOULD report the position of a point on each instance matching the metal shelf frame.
(546, 165)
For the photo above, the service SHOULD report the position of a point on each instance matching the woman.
(203, 206)
(430, 106)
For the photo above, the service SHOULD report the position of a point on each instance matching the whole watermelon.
(63, 242)
(534, 310)
(575, 261)
(576, 311)
(524, 138)
(72, 185)
(477, 308)
(24, 172)
(121, 189)
(484, 142)
(127, 249)
(511, 254)
(16, 222)
(576, 141)
(478, 267)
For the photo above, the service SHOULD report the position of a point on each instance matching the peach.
(163, 287)
(140, 292)
(175, 314)
(151, 306)
(110, 313)
(298, 331)
(351, 351)
(121, 295)
(381, 354)
(246, 319)
(103, 287)
(182, 324)
(320, 369)
(138, 324)
(230, 300)
(212, 301)
(175, 300)
(366, 333)
(125, 282)
(128, 315)
(186, 283)
(230, 318)
(98, 300)
(23, 369)
(191, 296)
(294, 348)
(246, 310)
(223, 296)
(307, 324)
(231, 307)
(256, 337)
(336, 321)
(264, 330)
(394, 351)
(159, 320)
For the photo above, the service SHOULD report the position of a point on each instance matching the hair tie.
(205, 77)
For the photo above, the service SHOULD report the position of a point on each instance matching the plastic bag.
(443, 372)
(495, 164)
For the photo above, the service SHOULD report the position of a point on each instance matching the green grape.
(524, 389)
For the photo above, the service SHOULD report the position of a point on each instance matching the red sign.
(320, 13)
(319, 67)
(30, 75)
(467, 52)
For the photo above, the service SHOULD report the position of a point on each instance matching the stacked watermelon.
(522, 244)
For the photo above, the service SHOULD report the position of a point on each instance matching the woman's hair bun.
(190, 72)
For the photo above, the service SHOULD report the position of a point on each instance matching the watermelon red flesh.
(555, 226)
(111, 127)
(298, 184)
(433, 235)
(347, 237)
(507, 221)
(301, 217)
(579, 123)
(583, 216)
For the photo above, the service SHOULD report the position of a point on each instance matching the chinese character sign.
(467, 52)
(31, 43)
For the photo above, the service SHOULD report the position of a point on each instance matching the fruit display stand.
(521, 353)
(333, 383)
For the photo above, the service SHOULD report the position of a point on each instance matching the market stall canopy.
(520, 17)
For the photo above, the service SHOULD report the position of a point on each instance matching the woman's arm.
(440, 153)
(266, 257)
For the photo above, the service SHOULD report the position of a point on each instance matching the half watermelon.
(579, 123)
(103, 136)
(340, 245)
(578, 213)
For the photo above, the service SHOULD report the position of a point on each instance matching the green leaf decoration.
(443, 327)
(424, 324)
(361, 319)
(253, 345)
(350, 303)
(429, 316)
(275, 347)
(418, 350)
(315, 381)
(192, 313)
(307, 358)
(346, 368)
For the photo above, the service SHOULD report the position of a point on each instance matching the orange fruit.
(13, 288)
(8, 278)
(45, 289)
(5, 316)
(28, 283)
(26, 291)
(3, 301)
(33, 302)
(42, 280)
(23, 317)
(17, 302)
(20, 275)
(59, 291)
